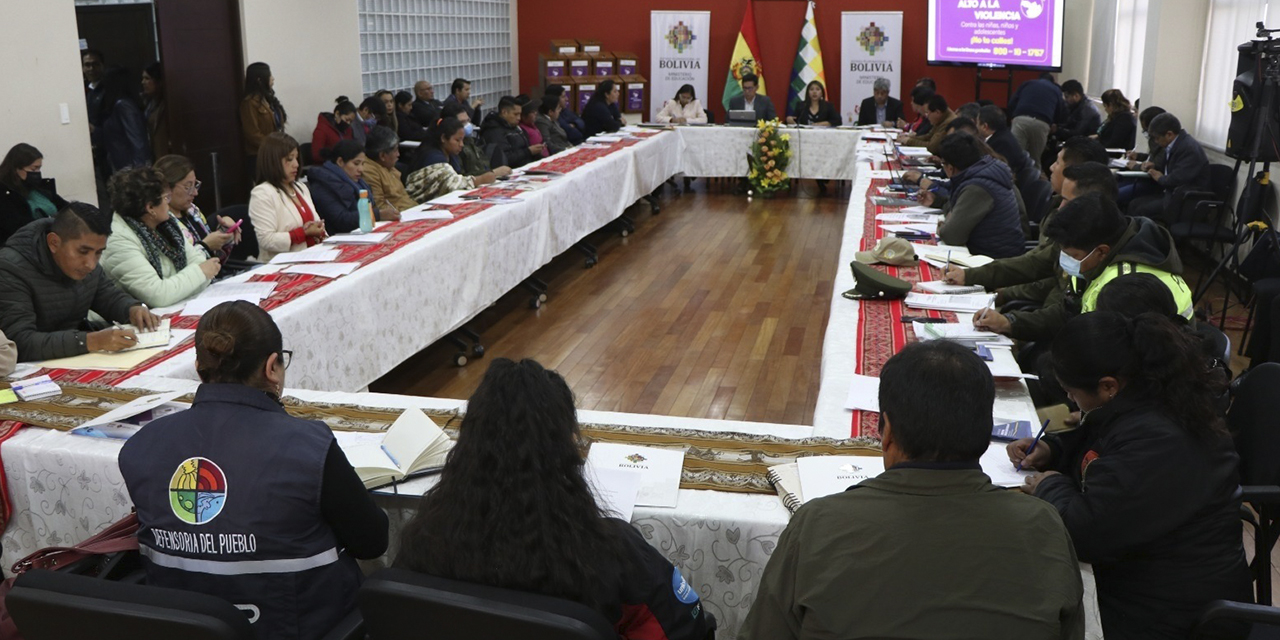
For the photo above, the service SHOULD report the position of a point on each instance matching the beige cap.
(893, 251)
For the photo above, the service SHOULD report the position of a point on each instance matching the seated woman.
(180, 175)
(336, 186)
(332, 128)
(1120, 129)
(366, 119)
(406, 127)
(1147, 484)
(24, 195)
(548, 124)
(290, 511)
(816, 111)
(601, 113)
(147, 253)
(684, 109)
(443, 172)
(283, 215)
(382, 150)
(529, 124)
(536, 527)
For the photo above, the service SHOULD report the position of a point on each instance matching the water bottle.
(365, 211)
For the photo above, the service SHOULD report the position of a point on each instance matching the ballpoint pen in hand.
(1031, 448)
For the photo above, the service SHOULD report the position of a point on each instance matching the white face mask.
(1070, 265)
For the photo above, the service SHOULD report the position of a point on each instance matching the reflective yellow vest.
(1181, 292)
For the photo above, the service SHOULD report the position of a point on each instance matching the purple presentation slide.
(1025, 33)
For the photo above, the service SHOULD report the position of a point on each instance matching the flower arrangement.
(768, 159)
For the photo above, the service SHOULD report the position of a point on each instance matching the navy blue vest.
(228, 500)
(999, 233)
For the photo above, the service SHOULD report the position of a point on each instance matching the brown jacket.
(256, 122)
(932, 139)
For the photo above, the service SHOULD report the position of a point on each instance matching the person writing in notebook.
(1148, 483)
(50, 280)
(278, 490)
(901, 555)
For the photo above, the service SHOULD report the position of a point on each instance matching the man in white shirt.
(750, 100)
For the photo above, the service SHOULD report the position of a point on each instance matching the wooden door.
(204, 74)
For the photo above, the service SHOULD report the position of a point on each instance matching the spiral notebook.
(785, 479)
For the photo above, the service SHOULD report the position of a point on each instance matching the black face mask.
(33, 179)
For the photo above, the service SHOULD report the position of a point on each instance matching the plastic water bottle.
(365, 211)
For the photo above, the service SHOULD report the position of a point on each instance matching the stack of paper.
(923, 209)
(358, 238)
(615, 490)
(317, 253)
(244, 290)
(939, 256)
(904, 217)
(962, 332)
(148, 339)
(967, 303)
(1119, 163)
(930, 228)
(828, 475)
(325, 270)
(938, 286)
(915, 151)
(127, 419)
(35, 388)
(424, 212)
(995, 463)
(659, 469)
(202, 305)
(864, 393)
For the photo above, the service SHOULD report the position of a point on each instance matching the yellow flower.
(786, 137)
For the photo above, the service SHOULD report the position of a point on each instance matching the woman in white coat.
(147, 253)
(280, 208)
(684, 109)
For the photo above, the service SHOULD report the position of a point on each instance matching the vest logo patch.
(197, 491)
(683, 591)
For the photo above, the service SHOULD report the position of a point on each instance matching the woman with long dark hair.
(1147, 484)
(260, 111)
(601, 112)
(153, 108)
(290, 512)
(684, 108)
(443, 172)
(332, 128)
(513, 510)
(815, 110)
(24, 194)
(1120, 129)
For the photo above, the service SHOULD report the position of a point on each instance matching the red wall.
(623, 25)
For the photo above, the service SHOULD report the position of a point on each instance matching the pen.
(949, 263)
(120, 327)
(1035, 442)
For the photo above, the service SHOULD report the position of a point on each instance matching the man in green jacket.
(929, 548)
(49, 282)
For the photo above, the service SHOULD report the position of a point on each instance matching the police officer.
(239, 499)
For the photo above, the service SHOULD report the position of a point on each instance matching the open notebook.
(413, 444)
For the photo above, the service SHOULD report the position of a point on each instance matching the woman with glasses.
(180, 175)
(238, 499)
(147, 253)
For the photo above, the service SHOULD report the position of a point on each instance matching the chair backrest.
(1037, 197)
(1253, 421)
(54, 605)
(711, 117)
(397, 604)
(248, 247)
(304, 154)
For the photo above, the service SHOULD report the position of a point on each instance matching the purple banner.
(635, 97)
(997, 32)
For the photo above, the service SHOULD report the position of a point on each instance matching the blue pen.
(1033, 445)
(397, 462)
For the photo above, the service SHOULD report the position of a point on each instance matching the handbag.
(107, 545)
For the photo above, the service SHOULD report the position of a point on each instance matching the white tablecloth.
(352, 331)
(721, 151)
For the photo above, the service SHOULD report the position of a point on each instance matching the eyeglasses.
(167, 197)
(286, 357)
(193, 187)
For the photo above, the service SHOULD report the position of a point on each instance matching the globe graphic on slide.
(1032, 8)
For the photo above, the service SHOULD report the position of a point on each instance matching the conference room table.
(63, 488)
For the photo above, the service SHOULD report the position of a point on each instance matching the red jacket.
(326, 135)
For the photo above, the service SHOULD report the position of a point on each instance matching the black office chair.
(1037, 197)
(55, 605)
(1230, 617)
(1253, 422)
(711, 117)
(248, 246)
(1200, 214)
(304, 154)
(399, 605)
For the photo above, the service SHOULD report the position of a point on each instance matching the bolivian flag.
(807, 67)
(745, 59)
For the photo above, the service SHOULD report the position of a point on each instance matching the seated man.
(982, 212)
(924, 549)
(880, 108)
(939, 116)
(50, 281)
(994, 129)
(752, 101)
(1021, 278)
(460, 94)
(1185, 166)
(1082, 118)
(501, 129)
(1098, 244)
(426, 109)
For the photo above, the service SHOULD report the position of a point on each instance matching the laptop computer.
(741, 117)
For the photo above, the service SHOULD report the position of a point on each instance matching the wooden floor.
(715, 308)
